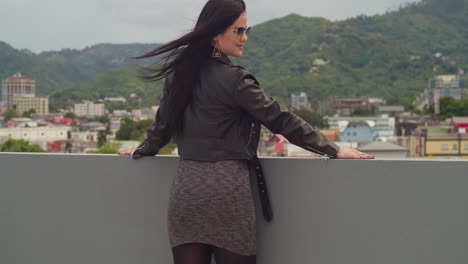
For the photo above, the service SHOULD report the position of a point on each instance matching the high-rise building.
(17, 85)
(445, 86)
(440, 86)
(89, 109)
(23, 104)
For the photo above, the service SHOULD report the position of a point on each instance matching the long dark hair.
(183, 57)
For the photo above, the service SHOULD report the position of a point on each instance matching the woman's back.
(213, 120)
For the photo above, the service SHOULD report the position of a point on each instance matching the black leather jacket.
(224, 118)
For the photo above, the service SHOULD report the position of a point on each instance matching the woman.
(214, 110)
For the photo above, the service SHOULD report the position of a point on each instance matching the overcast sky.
(41, 25)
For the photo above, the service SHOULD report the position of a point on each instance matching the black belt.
(262, 189)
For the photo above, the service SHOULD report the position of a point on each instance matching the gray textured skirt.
(211, 203)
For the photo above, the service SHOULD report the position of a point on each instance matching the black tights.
(197, 253)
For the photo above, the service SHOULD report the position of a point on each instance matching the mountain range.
(392, 56)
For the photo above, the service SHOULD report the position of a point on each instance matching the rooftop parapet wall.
(71, 209)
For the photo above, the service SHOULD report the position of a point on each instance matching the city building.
(89, 109)
(23, 104)
(93, 126)
(445, 146)
(440, 141)
(458, 124)
(21, 122)
(84, 136)
(355, 106)
(17, 85)
(121, 113)
(300, 101)
(144, 113)
(119, 99)
(390, 109)
(358, 132)
(46, 117)
(83, 140)
(407, 124)
(383, 123)
(440, 86)
(36, 135)
(385, 150)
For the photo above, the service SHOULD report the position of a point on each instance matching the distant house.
(57, 146)
(458, 124)
(391, 109)
(385, 150)
(350, 106)
(408, 123)
(347, 106)
(358, 132)
(93, 126)
(300, 101)
(384, 125)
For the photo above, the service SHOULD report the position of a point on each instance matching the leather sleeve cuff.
(146, 148)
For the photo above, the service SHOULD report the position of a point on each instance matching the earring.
(216, 51)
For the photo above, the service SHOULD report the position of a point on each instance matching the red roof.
(64, 120)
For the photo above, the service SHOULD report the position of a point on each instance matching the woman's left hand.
(352, 154)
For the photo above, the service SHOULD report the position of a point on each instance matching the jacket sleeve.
(251, 98)
(158, 134)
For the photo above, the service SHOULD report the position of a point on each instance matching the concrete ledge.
(57, 209)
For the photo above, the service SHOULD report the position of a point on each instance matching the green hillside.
(390, 55)
(114, 83)
(57, 70)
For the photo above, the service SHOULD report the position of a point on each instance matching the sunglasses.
(240, 31)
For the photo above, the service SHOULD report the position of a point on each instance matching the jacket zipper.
(326, 156)
(250, 134)
(138, 148)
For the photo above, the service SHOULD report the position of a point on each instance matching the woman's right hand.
(126, 152)
(352, 154)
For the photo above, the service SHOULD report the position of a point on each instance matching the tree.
(9, 114)
(68, 147)
(19, 145)
(312, 118)
(108, 148)
(69, 115)
(101, 119)
(168, 149)
(450, 107)
(101, 138)
(132, 130)
(29, 112)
